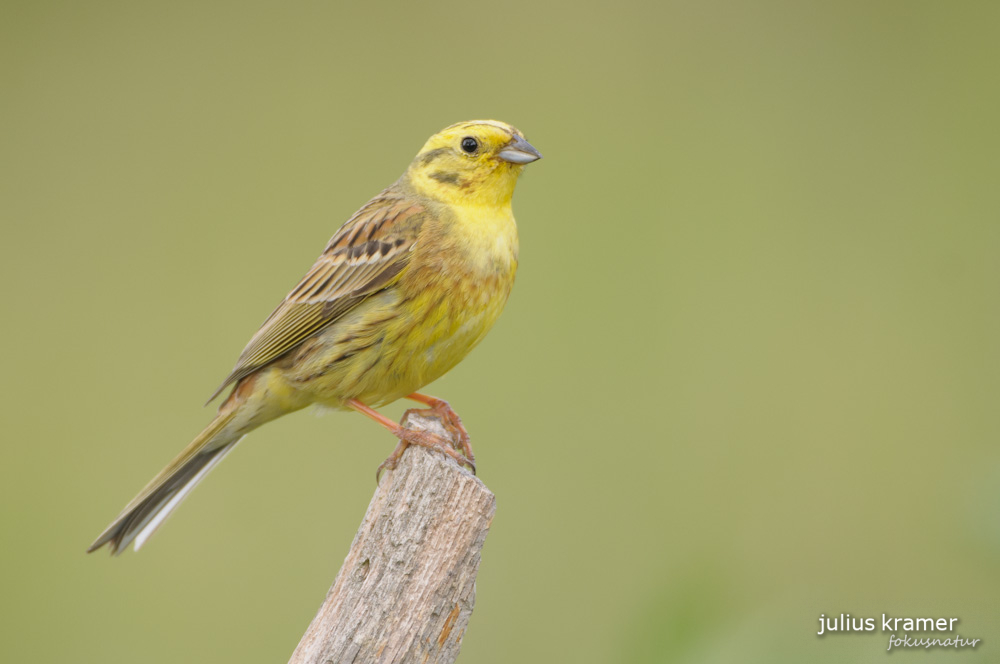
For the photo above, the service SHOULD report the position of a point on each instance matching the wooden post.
(408, 585)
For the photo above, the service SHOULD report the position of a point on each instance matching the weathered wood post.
(408, 585)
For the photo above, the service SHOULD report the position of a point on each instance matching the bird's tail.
(147, 511)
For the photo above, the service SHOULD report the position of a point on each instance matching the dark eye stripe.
(444, 177)
(432, 155)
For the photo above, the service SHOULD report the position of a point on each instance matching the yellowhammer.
(403, 291)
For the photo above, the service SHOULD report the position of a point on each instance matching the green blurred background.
(748, 375)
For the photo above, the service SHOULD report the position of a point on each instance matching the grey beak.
(520, 151)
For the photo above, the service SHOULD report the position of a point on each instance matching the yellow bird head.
(474, 162)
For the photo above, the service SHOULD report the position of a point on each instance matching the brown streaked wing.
(362, 258)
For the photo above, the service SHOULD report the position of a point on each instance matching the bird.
(402, 292)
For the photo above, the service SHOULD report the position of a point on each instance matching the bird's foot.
(408, 436)
(391, 460)
(450, 419)
(426, 439)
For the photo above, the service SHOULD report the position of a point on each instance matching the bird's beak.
(520, 151)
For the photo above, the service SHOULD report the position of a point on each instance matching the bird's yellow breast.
(459, 287)
(484, 239)
(410, 334)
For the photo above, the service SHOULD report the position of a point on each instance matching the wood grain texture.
(407, 587)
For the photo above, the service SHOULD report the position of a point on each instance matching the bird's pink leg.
(408, 437)
(449, 418)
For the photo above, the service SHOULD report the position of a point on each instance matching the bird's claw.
(426, 439)
(451, 420)
(391, 461)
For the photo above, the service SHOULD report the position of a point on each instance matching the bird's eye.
(469, 144)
